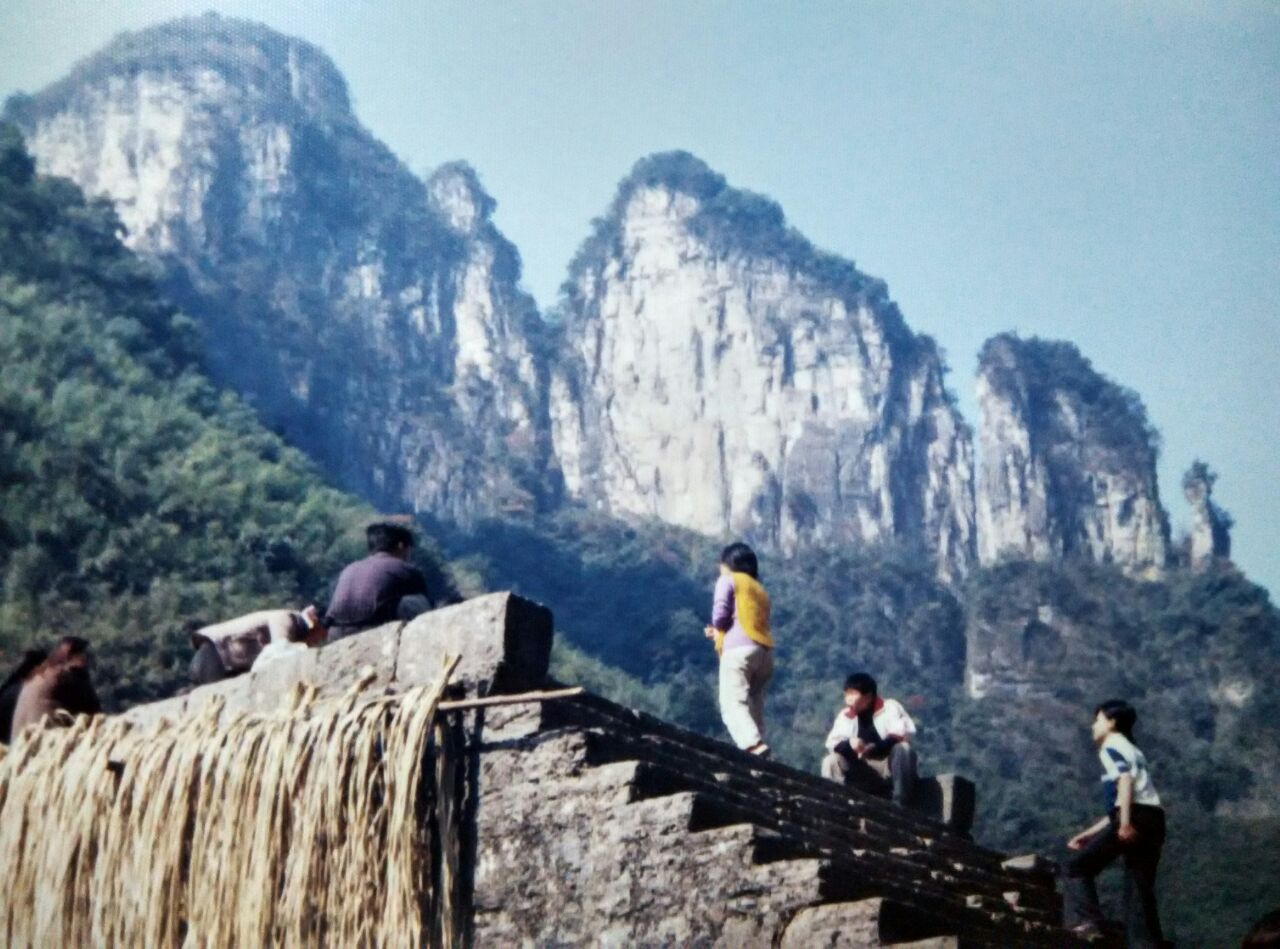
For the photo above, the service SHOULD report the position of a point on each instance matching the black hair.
(740, 558)
(26, 665)
(384, 537)
(1121, 714)
(861, 682)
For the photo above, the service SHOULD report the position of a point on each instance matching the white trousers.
(744, 677)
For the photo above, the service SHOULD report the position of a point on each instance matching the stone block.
(870, 922)
(949, 799)
(144, 716)
(504, 641)
(234, 693)
(338, 665)
(271, 684)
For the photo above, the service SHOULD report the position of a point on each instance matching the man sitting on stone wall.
(379, 589)
(869, 743)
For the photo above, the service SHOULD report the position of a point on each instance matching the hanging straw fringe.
(313, 825)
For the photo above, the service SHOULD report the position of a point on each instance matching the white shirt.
(889, 718)
(1121, 756)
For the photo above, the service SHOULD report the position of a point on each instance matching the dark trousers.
(206, 665)
(899, 769)
(1080, 903)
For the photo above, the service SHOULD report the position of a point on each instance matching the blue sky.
(1099, 172)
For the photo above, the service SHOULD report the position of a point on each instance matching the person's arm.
(722, 605)
(1079, 840)
(898, 728)
(839, 734)
(418, 586)
(1124, 800)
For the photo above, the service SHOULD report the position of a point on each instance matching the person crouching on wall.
(869, 745)
(743, 640)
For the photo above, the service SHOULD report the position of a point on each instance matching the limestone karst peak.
(454, 190)
(378, 323)
(1068, 460)
(728, 221)
(723, 374)
(1209, 540)
(240, 53)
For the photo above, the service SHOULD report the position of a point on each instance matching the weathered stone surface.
(234, 694)
(656, 848)
(872, 922)
(340, 664)
(950, 799)
(504, 642)
(152, 712)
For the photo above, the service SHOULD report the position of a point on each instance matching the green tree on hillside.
(134, 495)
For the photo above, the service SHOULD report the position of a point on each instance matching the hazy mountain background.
(706, 372)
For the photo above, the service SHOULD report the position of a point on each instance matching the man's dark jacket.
(368, 593)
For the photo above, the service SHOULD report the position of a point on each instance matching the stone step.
(675, 819)
(869, 873)
(710, 807)
(822, 881)
(591, 709)
(854, 925)
(798, 816)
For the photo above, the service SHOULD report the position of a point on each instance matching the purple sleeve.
(722, 605)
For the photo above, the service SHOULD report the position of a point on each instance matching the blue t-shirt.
(1121, 756)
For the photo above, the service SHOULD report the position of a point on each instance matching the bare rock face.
(374, 318)
(1209, 541)
(1068, 462)
(721, 374)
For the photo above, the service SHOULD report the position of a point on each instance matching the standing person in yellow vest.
(740, 629)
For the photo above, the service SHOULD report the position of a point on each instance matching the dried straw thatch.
(326, 823)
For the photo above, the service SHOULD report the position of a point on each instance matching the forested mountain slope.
(134, 494)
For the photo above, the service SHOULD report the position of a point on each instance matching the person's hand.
(859, 747)
(709, 632)
(1078, 841)
(1127, 833)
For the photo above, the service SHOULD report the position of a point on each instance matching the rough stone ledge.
(503, 639)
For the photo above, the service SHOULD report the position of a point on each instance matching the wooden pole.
(522, 698)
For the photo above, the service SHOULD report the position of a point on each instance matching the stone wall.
(586, 823)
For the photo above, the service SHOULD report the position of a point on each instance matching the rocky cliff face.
(374, 318)
(710, 367)
(721, 374)
(1068, 461)
(1209, 540)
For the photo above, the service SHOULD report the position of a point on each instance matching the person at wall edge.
(1133, 829)
(60, 683)
(743, 640)
(12, 689)
(235, 646)
(381, 588)
(869, 742)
